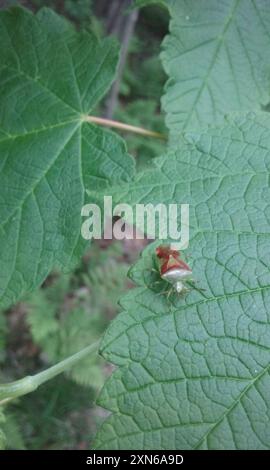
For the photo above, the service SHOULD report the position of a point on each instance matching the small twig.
(124, 127)
(30, 383)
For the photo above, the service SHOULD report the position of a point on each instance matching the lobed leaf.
(50, 79)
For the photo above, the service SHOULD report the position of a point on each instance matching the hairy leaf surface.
(50, 79)
(194, 371)
(215, 59)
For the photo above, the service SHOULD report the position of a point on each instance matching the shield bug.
(173, 269)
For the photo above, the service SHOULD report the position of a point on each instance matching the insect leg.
(192, 283)
(170, 291)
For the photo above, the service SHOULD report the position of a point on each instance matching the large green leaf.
(194, 371)
(216, 60)
(50, 79)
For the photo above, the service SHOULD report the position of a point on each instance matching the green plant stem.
(124, 127)
(30, 383)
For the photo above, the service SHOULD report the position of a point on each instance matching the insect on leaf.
(194, 373)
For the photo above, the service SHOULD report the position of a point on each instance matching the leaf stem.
(124, 127)
(28, 384)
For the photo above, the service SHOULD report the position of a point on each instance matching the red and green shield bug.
(173, 269)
